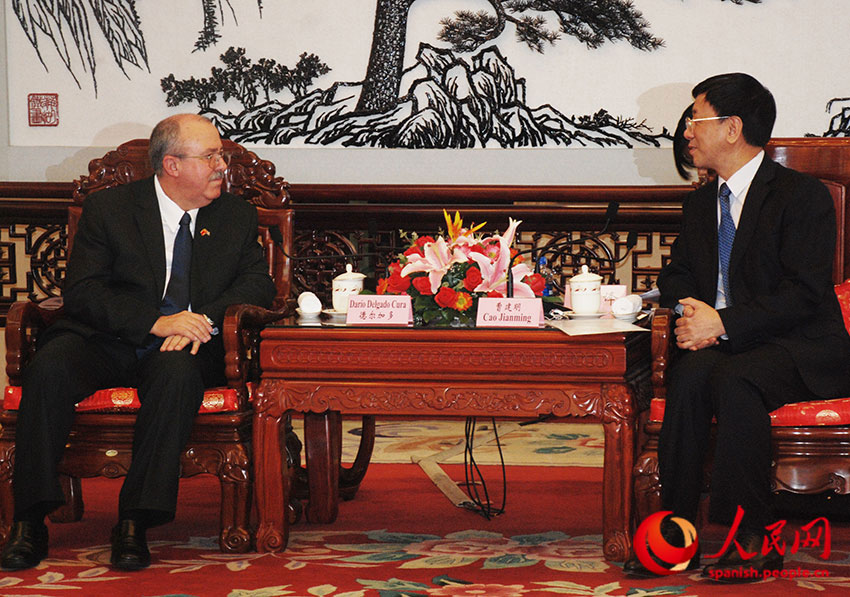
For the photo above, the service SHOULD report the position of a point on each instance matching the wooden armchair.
(101, 438)
(811, 440)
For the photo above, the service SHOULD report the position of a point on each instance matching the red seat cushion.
(799, 414)
(216, 400)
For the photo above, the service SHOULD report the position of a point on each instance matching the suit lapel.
(706, 203)
(747, 225)
(207, 233)
(149, 222)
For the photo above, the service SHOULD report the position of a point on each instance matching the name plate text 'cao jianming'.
(509, 312)
(379, 310)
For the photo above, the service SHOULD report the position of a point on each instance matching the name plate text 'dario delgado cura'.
(510, 312)
(379, 310)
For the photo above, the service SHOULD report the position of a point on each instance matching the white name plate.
(510, 312)
(379, 309)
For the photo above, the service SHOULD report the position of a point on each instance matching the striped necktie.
(725, 238)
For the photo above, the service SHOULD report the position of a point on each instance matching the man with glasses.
(155, 264)
(759, 325)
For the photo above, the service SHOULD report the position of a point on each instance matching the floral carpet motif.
(391, 564)
(545, 443)
(399, 537)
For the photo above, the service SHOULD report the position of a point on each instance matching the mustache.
(217, 176)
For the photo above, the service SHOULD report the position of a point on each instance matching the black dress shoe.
(734, 568)
(635, 568)
(26, 547)
(129, 546)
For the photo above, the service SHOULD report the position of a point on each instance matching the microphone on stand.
(552, 246)
(277, 237)
(610, 216)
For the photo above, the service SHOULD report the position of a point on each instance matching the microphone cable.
(474, 477)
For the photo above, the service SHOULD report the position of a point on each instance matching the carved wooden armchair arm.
(241, 333)
(663, 350)
(24, 322)
(241, 336)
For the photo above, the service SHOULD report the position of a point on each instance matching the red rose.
(473, 279)
(423, 240)
(446, 297)
(495, 294)
(394, 268)
(422, 284)
(537, 283)
(414, 250)
(398, 284)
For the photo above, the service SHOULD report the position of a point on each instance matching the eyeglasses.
(211, 158)
(689, 122)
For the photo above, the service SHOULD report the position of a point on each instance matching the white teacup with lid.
(585, 292)
(345, 285)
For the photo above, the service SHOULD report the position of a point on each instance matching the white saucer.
(574, 315)
(303, 315)
(309, 323)
(627, 317)
(334, 314)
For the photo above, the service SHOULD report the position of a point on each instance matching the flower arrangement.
(445, 278)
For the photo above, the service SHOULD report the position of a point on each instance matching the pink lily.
(437, 261)
(494, 272)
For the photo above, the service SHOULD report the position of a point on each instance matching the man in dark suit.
(759, 326)
(154, 266)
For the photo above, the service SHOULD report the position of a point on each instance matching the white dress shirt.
(739, 185)
(171, 213)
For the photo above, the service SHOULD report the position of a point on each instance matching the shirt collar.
(169, 211)
(739, 182)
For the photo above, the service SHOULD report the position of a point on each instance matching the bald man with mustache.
(137, 248)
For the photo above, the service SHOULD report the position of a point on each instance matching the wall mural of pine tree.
(460, 92)
(839, 124)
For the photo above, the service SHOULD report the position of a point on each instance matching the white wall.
(317, 165)
(798, 49)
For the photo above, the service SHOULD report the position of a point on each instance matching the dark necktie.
(725, 238)
(177, 294)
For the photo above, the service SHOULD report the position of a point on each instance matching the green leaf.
(554, 450)
(441, 561)
(508, 561)
(373, 558)
(393, 584)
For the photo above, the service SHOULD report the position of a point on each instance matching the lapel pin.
(205, 232)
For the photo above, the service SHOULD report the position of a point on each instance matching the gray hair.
(166, 140)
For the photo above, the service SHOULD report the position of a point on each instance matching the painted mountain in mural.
(447, 102)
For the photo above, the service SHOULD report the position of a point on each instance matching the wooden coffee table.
(329, 371)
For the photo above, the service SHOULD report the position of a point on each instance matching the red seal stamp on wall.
(43, 109)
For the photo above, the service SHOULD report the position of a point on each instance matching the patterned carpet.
(545, 443)
(399, 537)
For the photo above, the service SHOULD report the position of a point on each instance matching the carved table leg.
(349, 478)
(617, 484)
(323, 448)
(271, 473)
